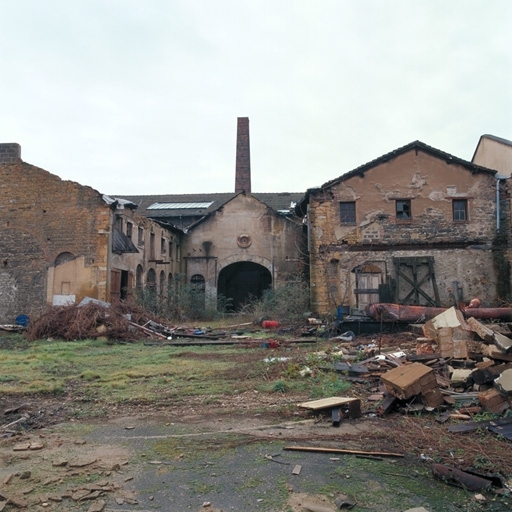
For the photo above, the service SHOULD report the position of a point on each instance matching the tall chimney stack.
(243, 157)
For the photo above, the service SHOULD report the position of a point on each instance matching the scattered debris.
(407, 381)
(323, 449)
(459, 478)
(336, 405)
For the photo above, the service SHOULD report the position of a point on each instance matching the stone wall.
(463, 251)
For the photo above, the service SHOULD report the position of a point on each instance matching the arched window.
(197, 282)
(151, 281)
(169, 285)
(162, 283)
(138, 277)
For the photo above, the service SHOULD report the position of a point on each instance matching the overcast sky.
(142, 96)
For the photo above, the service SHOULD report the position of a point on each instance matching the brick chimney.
(10, 153)
(243, 157)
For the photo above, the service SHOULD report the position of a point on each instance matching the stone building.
(415, 226)
(61, 242)
(495, 153)
(237, 244)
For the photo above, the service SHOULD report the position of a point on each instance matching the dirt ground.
(229, 455)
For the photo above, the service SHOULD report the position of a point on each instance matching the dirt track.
(202, 460)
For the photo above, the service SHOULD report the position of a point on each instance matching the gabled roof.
(416, 145)
(186, 209)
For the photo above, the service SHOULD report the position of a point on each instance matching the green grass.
(115, 373)
(96, 371)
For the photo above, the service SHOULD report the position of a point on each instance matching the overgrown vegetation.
(183, 301)
(287, 303)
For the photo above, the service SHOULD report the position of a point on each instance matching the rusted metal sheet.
(459, 478)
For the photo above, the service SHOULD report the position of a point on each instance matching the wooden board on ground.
(327, 403)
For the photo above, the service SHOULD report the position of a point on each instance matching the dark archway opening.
(243, 282)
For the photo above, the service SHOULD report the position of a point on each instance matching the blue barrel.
(342, 311)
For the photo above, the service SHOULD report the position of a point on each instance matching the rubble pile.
(94, 319)
(460, 367)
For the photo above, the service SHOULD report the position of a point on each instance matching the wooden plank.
(321, 449)
(326, 403)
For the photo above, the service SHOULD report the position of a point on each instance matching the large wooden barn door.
(416, 281)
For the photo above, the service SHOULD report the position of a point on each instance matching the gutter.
(499, 177)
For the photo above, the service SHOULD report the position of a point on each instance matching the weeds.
(286, 302)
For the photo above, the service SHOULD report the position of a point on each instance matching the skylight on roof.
(179, 206)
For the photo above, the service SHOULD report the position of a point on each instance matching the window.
(197, 282)
(163, 245)
(170, 249)
(140, 236)
(348, 212)
(403, 209)
(152, 246)
(460, 210)
(129, 229)
(119, 222)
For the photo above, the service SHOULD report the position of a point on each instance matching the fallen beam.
(322, 449)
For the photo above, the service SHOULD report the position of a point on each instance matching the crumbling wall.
(44, 217)
(462, 250)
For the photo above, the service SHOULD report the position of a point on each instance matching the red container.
(270, 324)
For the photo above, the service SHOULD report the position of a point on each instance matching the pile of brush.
(91, 320)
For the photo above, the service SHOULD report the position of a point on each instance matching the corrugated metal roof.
(178, 206)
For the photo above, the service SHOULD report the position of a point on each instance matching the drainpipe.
(499, 177)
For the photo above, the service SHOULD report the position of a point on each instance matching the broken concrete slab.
(460, 377)
(494, 352)
(503, 342)
(504, 383)
(479, 328)
(451, 318)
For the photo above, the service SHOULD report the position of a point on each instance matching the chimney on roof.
(243, 157)
(10, 153)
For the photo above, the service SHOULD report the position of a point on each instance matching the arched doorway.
(243, 282)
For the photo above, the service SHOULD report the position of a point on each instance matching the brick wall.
(42, 216)
(10, 152)
(243, 157)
